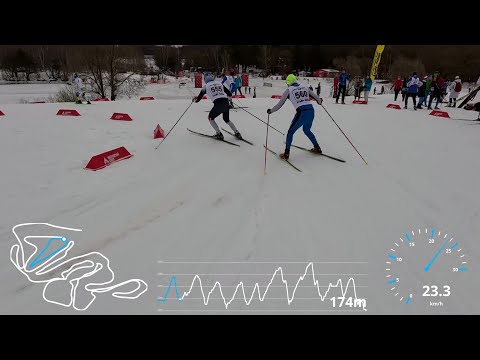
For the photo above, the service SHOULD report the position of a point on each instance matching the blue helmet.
(208, 78)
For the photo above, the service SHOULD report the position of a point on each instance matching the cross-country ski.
(319, 154)
(282, 159)
(212, 137)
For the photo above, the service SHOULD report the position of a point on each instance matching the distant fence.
(267, 84)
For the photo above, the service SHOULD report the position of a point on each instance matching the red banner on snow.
(100, 161)
(120, 116)
(158, 132)
(393, 106)
(102, 99)
(276, 96)
(363, 102)
(238, 97)
(245, 79)
(198, 80)
(147, 98)
(440, 113)
(1, 113)
(65, 112)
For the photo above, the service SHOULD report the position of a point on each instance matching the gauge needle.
(436, 255)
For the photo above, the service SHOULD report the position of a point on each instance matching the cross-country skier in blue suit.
(299, 95)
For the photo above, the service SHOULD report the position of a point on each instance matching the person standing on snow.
(219, 94)
(238, 85)
(342, 85)
(229, 83)
(397, 87)
(367, 87)
(436, 90)
(319, 88)
(404, 88)
(427, 88)
(412, 89)
(335, 86)
(358, 85)
(455, 88)
(421, 93)
(299, 95)
(79, 89)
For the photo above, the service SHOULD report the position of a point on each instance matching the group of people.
(433, 85)
(364, 85)
(340, 84)
(219, 91)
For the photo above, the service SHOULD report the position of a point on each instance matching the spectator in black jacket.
(421, 93)
(404, 88)
(436, 90)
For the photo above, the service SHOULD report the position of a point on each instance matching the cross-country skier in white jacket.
(79, 89)
(218, 93)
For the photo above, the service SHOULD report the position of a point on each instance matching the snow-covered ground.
(195, 200)
(27, 93)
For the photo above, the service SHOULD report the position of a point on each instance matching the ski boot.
(78, 102)
(238, 135)
(285, 155)
(88, 102)
(218, 135)
(316, 149)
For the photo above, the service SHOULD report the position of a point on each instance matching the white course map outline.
(54, 262)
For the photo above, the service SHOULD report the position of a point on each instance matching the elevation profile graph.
(263, 286)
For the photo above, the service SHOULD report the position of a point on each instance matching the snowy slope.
(195, 199)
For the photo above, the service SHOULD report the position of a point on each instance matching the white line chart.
(79, 269)
(257, 294)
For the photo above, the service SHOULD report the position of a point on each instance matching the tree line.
(107, 65)
(450, 60)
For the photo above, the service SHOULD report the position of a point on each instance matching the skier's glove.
(269, 111)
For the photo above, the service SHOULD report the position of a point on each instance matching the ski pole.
(266, 144)
(256, 117)
(345, 135)
(156, 147)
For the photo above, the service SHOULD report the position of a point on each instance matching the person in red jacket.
(397, 86)
(335, 85)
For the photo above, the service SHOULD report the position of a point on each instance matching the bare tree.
(350, 64)
(265, 57)
(40, 53)
(215, 50)
(111, 67)
(403, 66)
(225, 59)
(163, 56)
(285, 60)
(122, 64)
